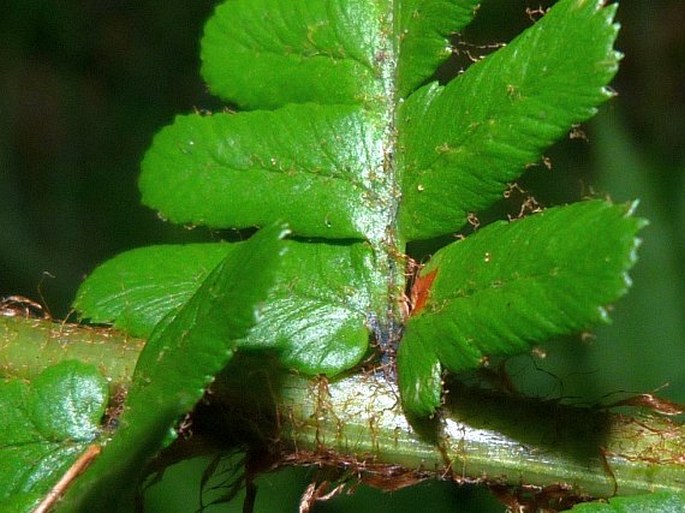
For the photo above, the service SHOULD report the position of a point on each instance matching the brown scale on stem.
(420, 291)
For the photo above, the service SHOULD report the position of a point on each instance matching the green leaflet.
(267, 53)
(651, 503)
(316, 316)
(423, 44)
(343, 168)
(316, 319)
(184, 353)
(513, 284)
(263, 54)
(136, 289)
(343, 142)
(45, 425)
(319, 167)
(187, 348)
(463, 142)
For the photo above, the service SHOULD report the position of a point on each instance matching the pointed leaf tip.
(463, 142)
(513, 284)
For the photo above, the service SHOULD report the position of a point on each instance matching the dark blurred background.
(85, 84)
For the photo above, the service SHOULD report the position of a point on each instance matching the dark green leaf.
(184, 353)
(650, 503)
(44, 426)
(463, 142)
(513, 284)
(315, 318)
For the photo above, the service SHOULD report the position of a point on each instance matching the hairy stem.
(28, 345)
(356, 423)
(480, 436)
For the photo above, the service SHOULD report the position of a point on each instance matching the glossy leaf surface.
(318, 167)
(316, 316)
(512, 284)
(184, 353)
(316, 319)
(136, 289)
(268, 53)
(341, 139)
(339, 162)
(464, 141)
(45, 425)
(423, 40)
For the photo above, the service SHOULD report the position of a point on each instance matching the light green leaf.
(340, 171)
(267, 53)
(189, 347)
(45, 425)
(464, 141)
(317, 167)
(184, 353)
(513, 284)
(136, 289)
(649, 503)
(316, 319)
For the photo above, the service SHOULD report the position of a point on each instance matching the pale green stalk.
(356, 423)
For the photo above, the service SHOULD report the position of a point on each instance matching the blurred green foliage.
(85, 84)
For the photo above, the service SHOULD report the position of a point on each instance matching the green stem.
(356, 422)
(28, 345)
(481, 436)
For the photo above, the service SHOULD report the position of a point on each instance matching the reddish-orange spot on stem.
(420, 291)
